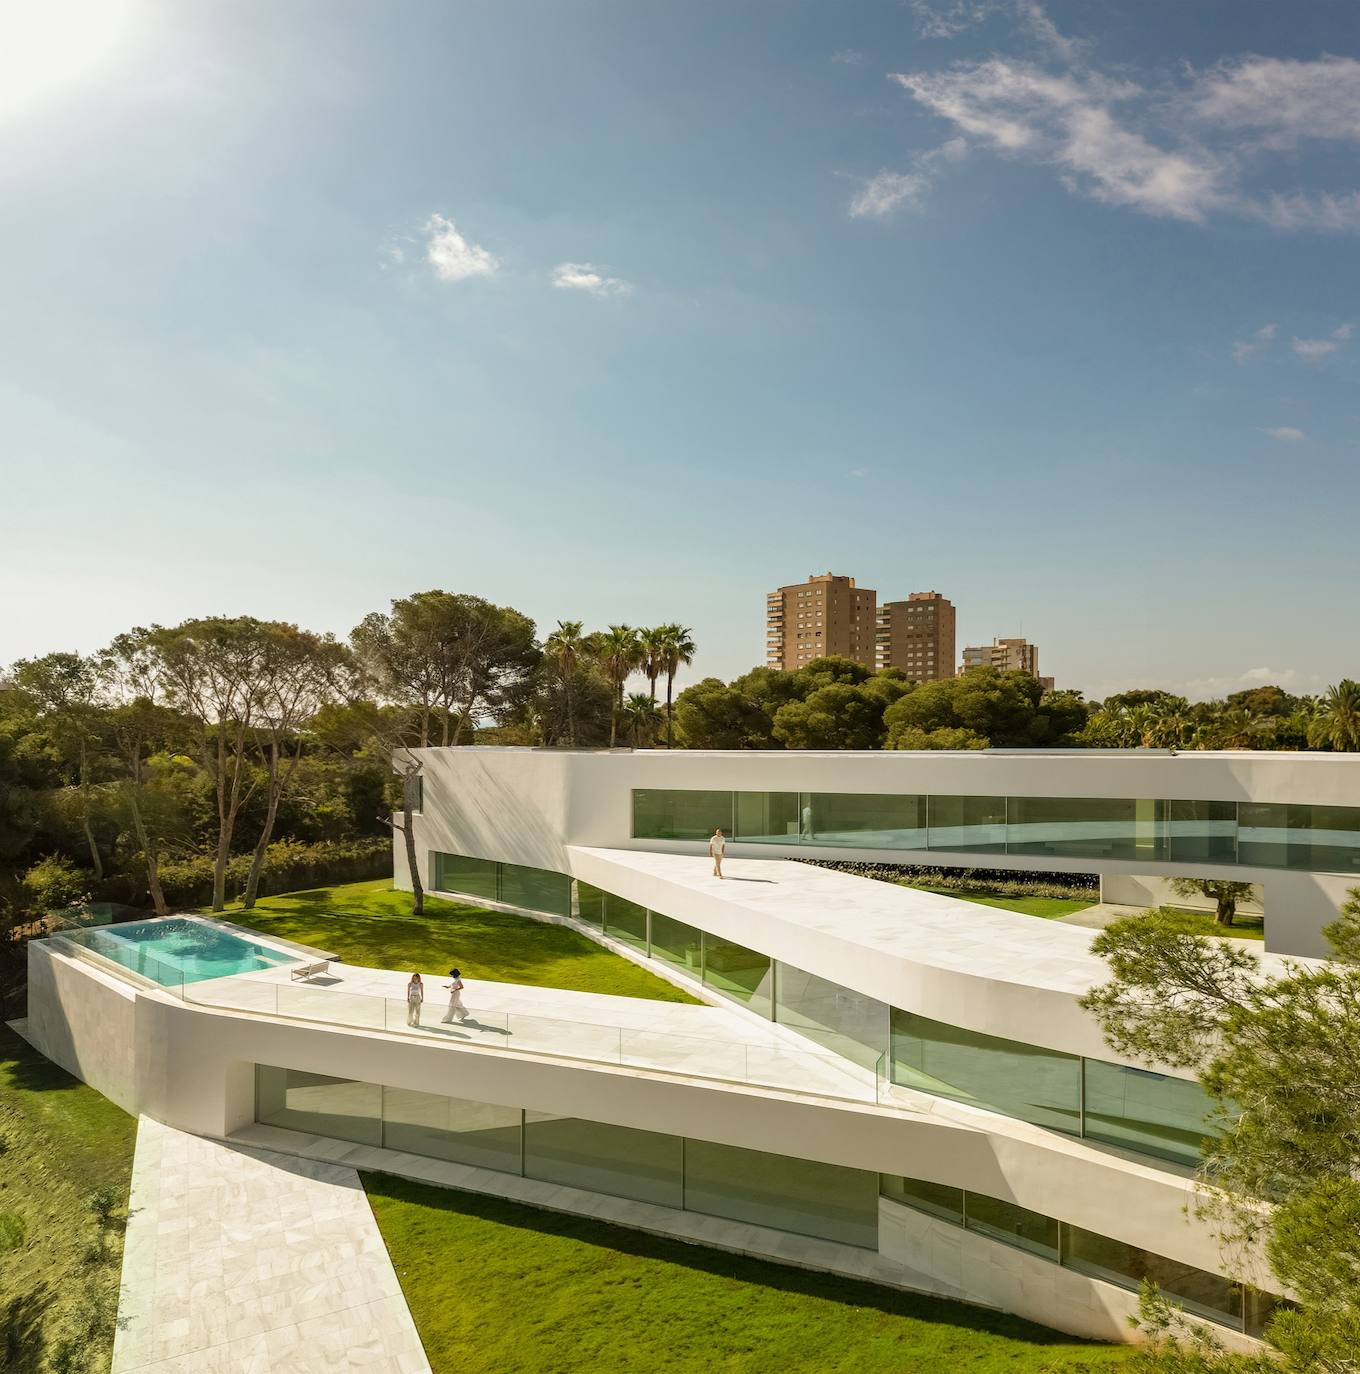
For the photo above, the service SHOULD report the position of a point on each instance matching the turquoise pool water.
(178, 951)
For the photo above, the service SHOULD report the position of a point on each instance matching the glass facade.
(679, 945)
(452, 1128)
(535, 889)
(1145, 1111)
(1024, 1081)
(859, 819)
(1266, 835)
(799, 1195)
(1002, 1220)
(767, 817)
(617, 1160)
(845, 1022)
(827, 1201)
(681, 815)
(459, 873)
(1201, 1293)
(318, 1105)
(1135, 1109)
(590, 904)
(739, 973)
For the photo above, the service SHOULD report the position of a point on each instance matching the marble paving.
(239, 1260)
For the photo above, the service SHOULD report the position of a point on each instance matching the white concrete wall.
(192, 1068)
(976, 1268)
(85, 1020)
(526, 805)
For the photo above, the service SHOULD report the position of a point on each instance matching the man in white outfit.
(717, 846)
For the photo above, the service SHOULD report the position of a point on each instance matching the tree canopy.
(1281, 1055)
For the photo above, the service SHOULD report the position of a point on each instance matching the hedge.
(1004, 881)
(288, 866)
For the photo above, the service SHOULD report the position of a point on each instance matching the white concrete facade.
(530, 806)
(188, 1058)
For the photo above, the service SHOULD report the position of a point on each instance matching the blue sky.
(633, 311)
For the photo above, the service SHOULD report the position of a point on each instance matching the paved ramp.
(242, 1261)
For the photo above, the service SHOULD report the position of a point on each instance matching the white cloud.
(451, 256)
(1287, 434)
(1245, 349)
(1315, 350)
(849, 57)
(1286, 100)
(859, 472)
(946, 18)
(1323, 211)
(1067, 120)
(583, 276)
(1180, 149)
(882, 194)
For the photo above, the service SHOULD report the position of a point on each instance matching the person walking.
(456, 1007)
(415, 995)
(717, 847)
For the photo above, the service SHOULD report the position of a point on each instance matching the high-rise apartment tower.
(917, 636)
(827, 614)
(1005, 655)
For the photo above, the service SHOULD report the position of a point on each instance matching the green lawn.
(370, 924)
(1047, 907)
(60, 1142)
(498, 1288)
(1202, 923)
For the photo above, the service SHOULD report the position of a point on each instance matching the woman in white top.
(717, 846)
(456, 1007)
(415, 995)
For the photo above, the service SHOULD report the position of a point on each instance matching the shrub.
(53, 883)
(288, 865)
(1004, 882)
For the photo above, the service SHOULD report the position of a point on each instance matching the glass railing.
(773, 1064)
(94, 945)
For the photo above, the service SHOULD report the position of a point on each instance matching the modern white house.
(874, 1080)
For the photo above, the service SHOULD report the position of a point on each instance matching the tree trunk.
(85, 812)
(257, 859)
(219, 901)
(409, 830)
(153, 867)
(670, 724)
(1227, 909)
(90, 840)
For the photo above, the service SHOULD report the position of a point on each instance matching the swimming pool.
(175, 951)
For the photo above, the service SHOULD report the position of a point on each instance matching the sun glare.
(51, 47)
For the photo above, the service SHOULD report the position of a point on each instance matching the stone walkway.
(243, 1261)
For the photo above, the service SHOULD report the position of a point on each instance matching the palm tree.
(565, 647)
(676, 648)
(640, 718)
(1337, 722)
(650, 644)
(618, 650)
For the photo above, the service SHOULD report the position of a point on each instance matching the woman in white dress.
(456, 1007)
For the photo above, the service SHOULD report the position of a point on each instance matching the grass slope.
(370, 924)
(1046, 907)
(60, 1142)
(498, 1288)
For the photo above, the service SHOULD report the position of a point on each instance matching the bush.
(53, 883)
(1004, 882)
(288, 866)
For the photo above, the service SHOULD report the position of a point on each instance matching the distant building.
(827, 614)
(917, 636)
(1006, 656)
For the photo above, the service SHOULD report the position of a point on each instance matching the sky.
(631, 311)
